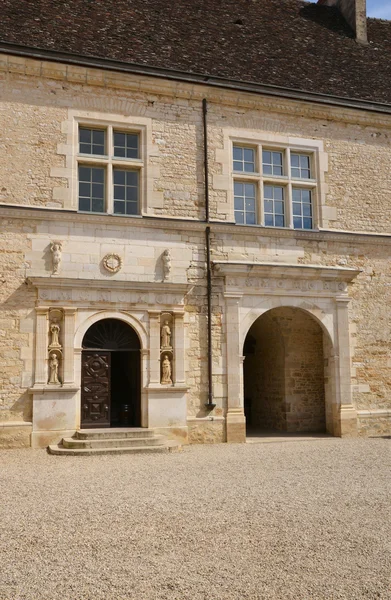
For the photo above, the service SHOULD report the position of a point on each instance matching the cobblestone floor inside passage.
(294, 520)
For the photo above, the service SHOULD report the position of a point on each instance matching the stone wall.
(36, 99)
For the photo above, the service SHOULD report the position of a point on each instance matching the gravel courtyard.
(301, 520)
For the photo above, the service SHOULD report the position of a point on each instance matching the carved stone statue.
(55, 330)
(166, 264)
(166, 370)
(53, 366)
(166, 335)
(56, 249)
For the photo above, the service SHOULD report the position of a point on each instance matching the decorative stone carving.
(54, 365)
(166, 336)
(166, 370)
(56, 249)
(55, 331)
(112, 262)
(167, 266)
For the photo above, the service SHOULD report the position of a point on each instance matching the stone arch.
(105, 314)
(285, 375)
(325, 320)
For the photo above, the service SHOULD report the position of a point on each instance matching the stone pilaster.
(154, 347)
(68, 349)
(347, 413)
(179, 347)
(235, 420)
(41, 345)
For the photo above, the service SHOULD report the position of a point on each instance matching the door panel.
(95, 386)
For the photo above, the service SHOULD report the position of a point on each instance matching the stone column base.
(236, 426)
(348, 421)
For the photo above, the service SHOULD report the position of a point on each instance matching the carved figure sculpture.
(166, 335)
(56, 248)
(166, 264)
(53, 365)
(166, 370)
(55, 330)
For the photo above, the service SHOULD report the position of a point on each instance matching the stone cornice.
(280, 271)
(99, 284)
(31, 213)
(217, 92)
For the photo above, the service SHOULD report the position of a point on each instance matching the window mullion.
(109, 187)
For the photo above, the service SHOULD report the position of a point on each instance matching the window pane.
(237, 153)
(295, 160)
(98, 175)
(119, 177)
(119, 207)
(267, 169)
(296, 195)
(279, 221)
(84, 204)
(268, 191)
(279, 207)
(92, 141)
(119, 192)
(249, 190)
(132, 194)
(296, 208)
(277, 158)
(84, 189)
(267, 157)
(250, 204)
(307, 223)
(295, 172)
(239, 203)
(268, 206)
(306, 196)
(250, 218)
(297, 223)
(278, 193)
(301, 166)
(131, 208)
(126, 144)
(239, 217)
(85, 135)
(120, 152)
(97, 205)
(307, 212)
(238, 189)
(269, 220)
(84, 174)
(132, 177)
(277, 170)
(244, 159)
(97, 190)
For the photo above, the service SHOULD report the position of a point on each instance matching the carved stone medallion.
(112, 263)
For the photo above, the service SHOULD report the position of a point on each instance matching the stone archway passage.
(284, 381)
(110, 377)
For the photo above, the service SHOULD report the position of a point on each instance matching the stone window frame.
(150, 197)
(323, 215)
(285, 181)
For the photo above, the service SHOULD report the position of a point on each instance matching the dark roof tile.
(286, 43)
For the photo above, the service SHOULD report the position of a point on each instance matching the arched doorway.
(110, 376)
(284, 372)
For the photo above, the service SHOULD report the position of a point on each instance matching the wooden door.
(95, 389)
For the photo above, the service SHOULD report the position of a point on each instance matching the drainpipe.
(210, 405)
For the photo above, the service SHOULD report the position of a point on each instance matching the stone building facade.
(102, 192)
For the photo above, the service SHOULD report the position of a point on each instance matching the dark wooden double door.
(110, 389)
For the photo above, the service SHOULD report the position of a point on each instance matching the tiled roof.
(286, 43)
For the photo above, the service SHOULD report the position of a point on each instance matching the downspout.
(210, 405)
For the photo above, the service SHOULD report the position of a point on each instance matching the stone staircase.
(87, 442)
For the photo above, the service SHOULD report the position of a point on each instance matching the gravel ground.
(291, 520)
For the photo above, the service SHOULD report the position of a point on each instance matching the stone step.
(112, 433)
(169, 446)
(157, 440)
